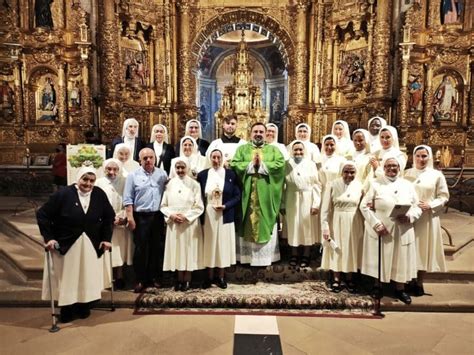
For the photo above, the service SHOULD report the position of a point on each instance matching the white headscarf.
(430, 155)
(275, 142)
(347, 163)
(215, 177)
(346, 133)
(195, 147)
(366, 135)
(276, 132)
(186, 130)
(325, 138)
(179, 160)
(165, 137)
(125, 125)
(307, 127)
(84, 197)
(130, 165)
(119, 172)
(392, 155)
(393, 132)
(383, 122)
(305, 153)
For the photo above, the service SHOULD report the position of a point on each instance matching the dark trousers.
(149, 239)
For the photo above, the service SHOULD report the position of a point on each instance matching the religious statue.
(48, 101)
(74, 96)
(352, 70)
(451, 11)
(416, 93)
(6, 96)
(444, 102)
(43, 17)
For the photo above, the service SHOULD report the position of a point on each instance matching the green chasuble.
(261, 195)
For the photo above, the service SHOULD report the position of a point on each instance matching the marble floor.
(25, 331)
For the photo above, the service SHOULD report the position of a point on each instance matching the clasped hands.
(256, 161)
(51, 245)
(178, 218)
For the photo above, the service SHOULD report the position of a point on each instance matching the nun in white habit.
(398, 261)
(76, 224)
(432, 190)
(122, 239)
(301, 202)
(361, 154)
(340, 129)
(271, 137)
(342, 223)
(374, 126)
(122, 153)
(390, 146)
(195, 162)
(303, 133)
(130, 138)
(182, 205)
(330, 161)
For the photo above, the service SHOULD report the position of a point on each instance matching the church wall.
(103, 61)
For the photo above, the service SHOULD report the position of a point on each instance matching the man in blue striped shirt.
(142, 197)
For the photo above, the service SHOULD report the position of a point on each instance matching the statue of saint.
(445, 100)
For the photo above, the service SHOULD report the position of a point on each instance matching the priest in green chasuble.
(261, 168)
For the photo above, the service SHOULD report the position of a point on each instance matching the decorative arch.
(217, 62)
(244, 20)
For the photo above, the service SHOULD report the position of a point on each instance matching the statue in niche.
(451, 11)
(415, 89)
(444, 103)
(6, 96)
(43, 16)
(74, 96)
(47, 106)
(136, 71)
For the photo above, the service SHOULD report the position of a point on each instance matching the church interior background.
(72, 66)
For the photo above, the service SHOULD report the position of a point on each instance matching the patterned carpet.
(310, 297)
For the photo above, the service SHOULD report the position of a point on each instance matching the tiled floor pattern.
(25, 331)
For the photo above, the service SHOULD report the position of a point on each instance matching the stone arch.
(248, 20)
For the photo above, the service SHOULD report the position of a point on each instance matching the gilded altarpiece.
(435, 102)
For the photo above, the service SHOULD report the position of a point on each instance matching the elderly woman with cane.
(76, 224)
(390, 208)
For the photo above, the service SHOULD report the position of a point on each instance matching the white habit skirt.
(77, 277)
(122, 252)
(259, 254)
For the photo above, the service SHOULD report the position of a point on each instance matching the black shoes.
(206, 284)
(221, 283)
(66, 314)
(185, 286)
(403, 296)
(83, 310)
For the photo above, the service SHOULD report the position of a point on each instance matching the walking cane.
(379, 294)
(112, 305)
(54, 327)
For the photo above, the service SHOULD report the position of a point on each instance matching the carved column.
(301, 65)
(185, 93)
(86, 94)
(17, 72)
(428, 97)
(381, 46)
(62, 93)
(404, 97)
(108, 43)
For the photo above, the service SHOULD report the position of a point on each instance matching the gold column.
(428, 96)
(381, 46)
(17, 72)
(61, 102)
(301, 64)
(404, 96)
(185, 93)
(86, 90)
(108, 44)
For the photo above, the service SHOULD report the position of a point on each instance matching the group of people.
(204, 205)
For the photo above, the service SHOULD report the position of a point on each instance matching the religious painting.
(451, 11)
(136, 67)
(415, 89)
(352, 68)
(7, 101)
(205, 111)
(277, 107)
(46, 98)
(446, 99)
(43, 15)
